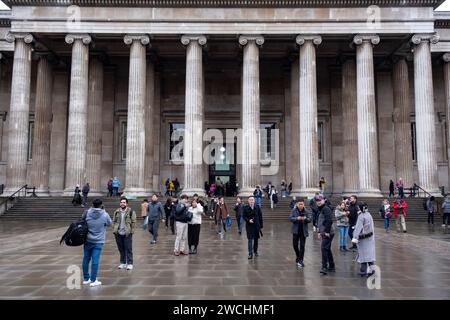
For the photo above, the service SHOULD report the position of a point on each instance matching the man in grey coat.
(155, 212)
(364, 237)
(300, 218)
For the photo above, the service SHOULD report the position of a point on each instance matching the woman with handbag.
(220, 214)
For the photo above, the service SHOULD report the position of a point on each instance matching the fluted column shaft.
(135, 163)
(350, 132)
(194, 115)
(250, 171)
(308, 143)
(94, 126)
(402, 123)
(16, 172)
(369, 177)
(295, 118)
(446, 58)
(77, 125)
(425, 114)
(149, 127)
(43, 117)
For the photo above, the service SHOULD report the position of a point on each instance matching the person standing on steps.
(431, 209)
(300, 218)
(239, 209)
(124, 222)
(400, 206)
(85, 192)
(253, 226)
(155, 212)
(391, 188)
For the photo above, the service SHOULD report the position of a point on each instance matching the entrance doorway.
(222, 168)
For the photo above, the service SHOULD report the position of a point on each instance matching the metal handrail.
(420, 188)
(23, 188)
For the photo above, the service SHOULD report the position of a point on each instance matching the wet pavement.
(33, 265)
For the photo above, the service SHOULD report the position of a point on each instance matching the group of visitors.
(172, 187)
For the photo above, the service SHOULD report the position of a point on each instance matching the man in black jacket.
(326, 234)
(253, 226)
(353, 208)
(315, 211)
(300, 218)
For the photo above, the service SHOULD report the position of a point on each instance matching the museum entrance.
(222, 166)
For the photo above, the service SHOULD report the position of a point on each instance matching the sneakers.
(443, 226)
(176, 253)
(331, 269)
(87, 281)
(250, 257)
(95, 283)
(130, 267)
(324, 271)
(153, 242)
(256, 254)
(122, 266)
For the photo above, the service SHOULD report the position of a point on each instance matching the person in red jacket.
(400, 206)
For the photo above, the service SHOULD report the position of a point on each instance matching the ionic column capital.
(445, 57)
(142, 38)
(302, 38)
(418, 38)
(85, 38)
(26, 37)
(245, 39)
(359, 39)
(188, 38)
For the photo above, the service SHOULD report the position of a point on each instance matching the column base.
(305, 193)
(349, 193)
(246, 192)
(135, 192)
(374, 193)
(191, 191)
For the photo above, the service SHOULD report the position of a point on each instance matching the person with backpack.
(196, 210)
(400, 206)
(124, 221)
(431, 209)
(300, 218)
(258, 195)
(446, 212)
(385, 213)
(155, 212)
(220, 214)
(115, 186)
(97, 219)
(182, 217)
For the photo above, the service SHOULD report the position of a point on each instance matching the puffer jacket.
(341, 217)
(196, 214)
(446, 206)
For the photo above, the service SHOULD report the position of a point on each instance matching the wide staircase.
(61, 208)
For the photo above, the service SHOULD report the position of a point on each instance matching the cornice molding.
(228, 3)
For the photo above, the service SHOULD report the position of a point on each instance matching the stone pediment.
(228, 3)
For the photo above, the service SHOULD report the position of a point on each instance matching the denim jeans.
(91, 251)
(258, 201)
(153, 226)
(386, 223)
(343, 236)
(240, 221)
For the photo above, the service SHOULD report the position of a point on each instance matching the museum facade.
(355, 91)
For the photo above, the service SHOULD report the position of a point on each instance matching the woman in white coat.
(364, 237)
(194, 226)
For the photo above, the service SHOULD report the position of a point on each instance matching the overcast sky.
(444, 7)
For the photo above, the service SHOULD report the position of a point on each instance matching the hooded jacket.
(97, 219)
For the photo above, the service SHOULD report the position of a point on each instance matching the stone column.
(194, 115)
(42, 124)
(94, 127)
(307, 111)
(402, 123)
(250, 167)
(446, 58)
(77, 125)
(425, 113)
(135, 165)
(149, 127)
(295, 118)
(16, 173)
(350, 131)
(369, 177)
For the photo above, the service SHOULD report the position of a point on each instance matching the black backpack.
(76, 234)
